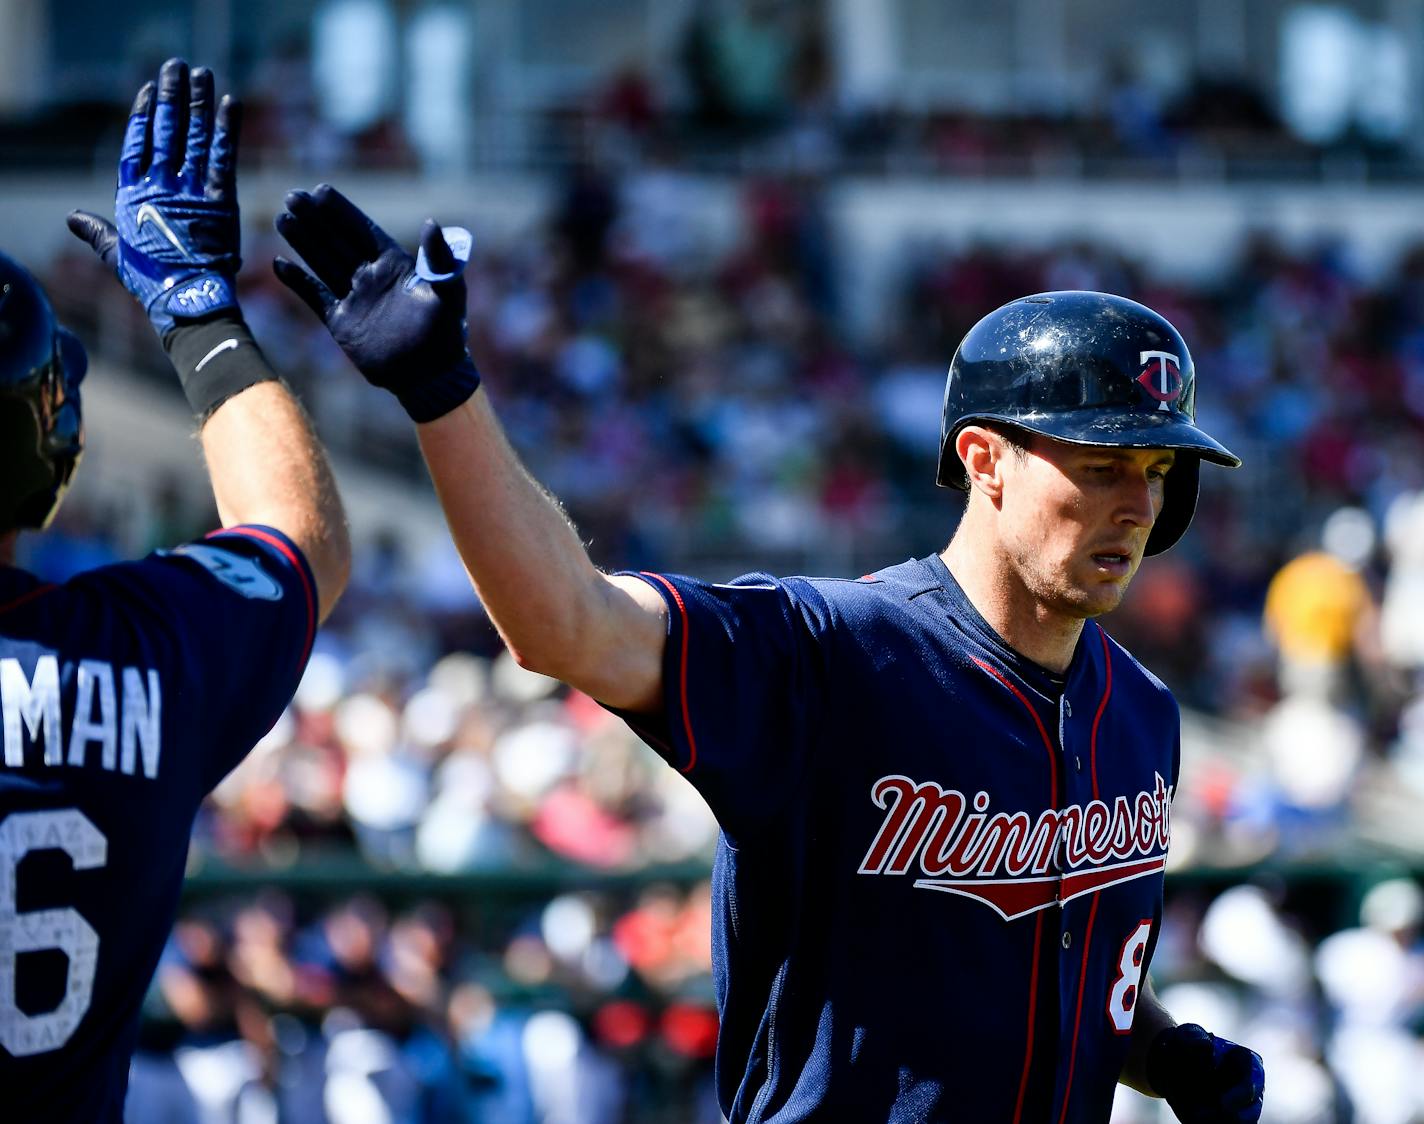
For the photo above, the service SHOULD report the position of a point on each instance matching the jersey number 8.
(70, 831)
(1122, 999)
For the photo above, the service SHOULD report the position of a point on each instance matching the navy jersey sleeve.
(240, 609)
(742, 692)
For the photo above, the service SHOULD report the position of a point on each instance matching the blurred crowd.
(733, 86)
(585, 1008)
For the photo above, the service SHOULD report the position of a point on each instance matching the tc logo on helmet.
(1161, 377)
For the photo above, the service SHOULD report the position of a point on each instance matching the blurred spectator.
(1403, 609)
(1319, 609)
(1374, 978)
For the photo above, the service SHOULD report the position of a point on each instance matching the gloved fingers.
(349, 222)
(440, 259)
(200, 128)
(138, 137)
(221, 186)
(1243, 1077)
(98, 232)
(339, 234)
(324, 255)
(313, 293)
(170, 116)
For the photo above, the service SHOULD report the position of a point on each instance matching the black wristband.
(436, 396)
(216, 359)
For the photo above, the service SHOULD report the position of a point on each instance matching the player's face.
(1075, 521)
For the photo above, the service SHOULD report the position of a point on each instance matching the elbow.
(555, 640)
(538, 660)
(605, 676)
(586, 642)
(562, 652)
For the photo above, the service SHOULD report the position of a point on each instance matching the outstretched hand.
(175, 242)
(401, 320)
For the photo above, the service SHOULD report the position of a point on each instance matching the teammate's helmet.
(1090, 369)
(41, 429)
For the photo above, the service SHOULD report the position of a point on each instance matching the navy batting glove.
(1206, 1079)
(400, 320)
(176, 243)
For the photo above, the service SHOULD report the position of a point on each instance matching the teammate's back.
(129, 691)
(126, 694)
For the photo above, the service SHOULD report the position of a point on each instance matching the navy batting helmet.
(1089, 369)
(41, 429)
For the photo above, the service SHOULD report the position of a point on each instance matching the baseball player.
(945, 794)
(129, 691)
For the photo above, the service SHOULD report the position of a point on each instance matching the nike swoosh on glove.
(175, 242)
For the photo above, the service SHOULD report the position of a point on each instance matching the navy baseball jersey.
(127, 693)
(939, 879)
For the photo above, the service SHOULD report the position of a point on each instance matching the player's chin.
(1094, 598)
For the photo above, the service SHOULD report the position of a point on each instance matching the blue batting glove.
(177, 239)
(400, 320)
(1206, 1079)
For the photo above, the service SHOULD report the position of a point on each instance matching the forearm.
(557, 613)
(1149, 1020)
(175, 246)
(267, 466)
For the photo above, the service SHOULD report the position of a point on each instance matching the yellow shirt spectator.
(1313, 608)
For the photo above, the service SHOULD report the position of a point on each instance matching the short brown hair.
(1016, 438)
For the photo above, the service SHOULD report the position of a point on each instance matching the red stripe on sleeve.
(26, 598)
(682, 671)
(297, 563)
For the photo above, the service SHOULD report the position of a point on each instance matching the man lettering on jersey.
(130, 690)
(944, 791)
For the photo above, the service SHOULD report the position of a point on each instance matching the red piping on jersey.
(1038, 927)
(682, 672)
(1037, 721)
(1092, 913)
(1032, 1012)
(38, 591)
(1102, 706)
(295, 560)
(1078, 1014)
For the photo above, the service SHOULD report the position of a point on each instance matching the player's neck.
(1022, 622)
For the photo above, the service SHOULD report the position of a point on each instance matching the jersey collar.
(1044, 682)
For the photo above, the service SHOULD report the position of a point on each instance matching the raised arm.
(401, 320)
(268, 467)
(176, 249)
(558, 614)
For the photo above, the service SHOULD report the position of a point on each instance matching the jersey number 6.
(70, 831)
(1122, 999)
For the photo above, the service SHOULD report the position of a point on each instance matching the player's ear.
(983, 454)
